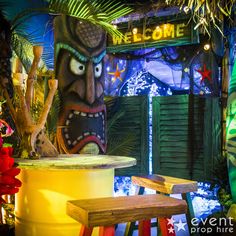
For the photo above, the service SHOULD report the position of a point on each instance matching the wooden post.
(144, 228)
(130, 226)
(106, 231)
(85, 231)
(190, 212)
(37, 51)
(224, 96)
(163, 222)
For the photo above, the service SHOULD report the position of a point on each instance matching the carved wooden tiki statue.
(79, 52)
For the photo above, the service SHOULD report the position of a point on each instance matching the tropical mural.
(173, 71)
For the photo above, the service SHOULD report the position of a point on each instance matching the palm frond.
(22, 45)
(21, 18)
(96, 12)
(3, 9)
(47, 58)
(113, 124)
(121, 145)
(23, 49)
(3, 5)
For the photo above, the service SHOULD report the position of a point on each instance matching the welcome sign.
(153, 33)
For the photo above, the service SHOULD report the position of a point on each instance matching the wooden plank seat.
(165, 185)
(106, 212)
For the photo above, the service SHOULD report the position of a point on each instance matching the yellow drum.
(48, 183)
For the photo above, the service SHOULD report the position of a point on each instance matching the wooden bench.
(106, 212)
(165, 185)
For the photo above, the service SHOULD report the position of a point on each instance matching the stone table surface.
(77, 161)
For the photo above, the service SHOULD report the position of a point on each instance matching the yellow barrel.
(41, 202)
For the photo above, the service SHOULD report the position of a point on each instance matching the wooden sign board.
(153, 32)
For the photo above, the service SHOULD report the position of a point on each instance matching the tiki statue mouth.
(82, 127)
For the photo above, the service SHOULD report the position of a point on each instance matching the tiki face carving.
(80, 48)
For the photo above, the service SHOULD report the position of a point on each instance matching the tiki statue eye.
(76, 67)
(98, 70)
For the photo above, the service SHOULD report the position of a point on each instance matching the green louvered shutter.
(132, 123)
(186, 136)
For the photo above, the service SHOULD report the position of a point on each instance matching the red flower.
(9, 131)
(8, 183)
(6, 161)
(6, 151)
(8, 177)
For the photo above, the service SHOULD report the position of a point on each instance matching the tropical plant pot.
(6, 230)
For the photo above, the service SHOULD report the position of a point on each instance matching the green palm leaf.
(121, 145)
(23, 49)
(96, 12)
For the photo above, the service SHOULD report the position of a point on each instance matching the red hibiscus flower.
(6, 161)
(8, 183)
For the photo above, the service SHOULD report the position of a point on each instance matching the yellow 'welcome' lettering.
(151, 34)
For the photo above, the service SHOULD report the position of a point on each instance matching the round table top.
(77, 161)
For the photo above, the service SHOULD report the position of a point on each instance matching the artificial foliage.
(221, 183)
(99, 12)
(9, 184)
(206, 13)
(118, 144)
(230, 138)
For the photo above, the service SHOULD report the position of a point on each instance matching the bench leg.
(166, 230)
(106, 231)
(190, 212)
(131, 226)
(85, 231)
(144, 228)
